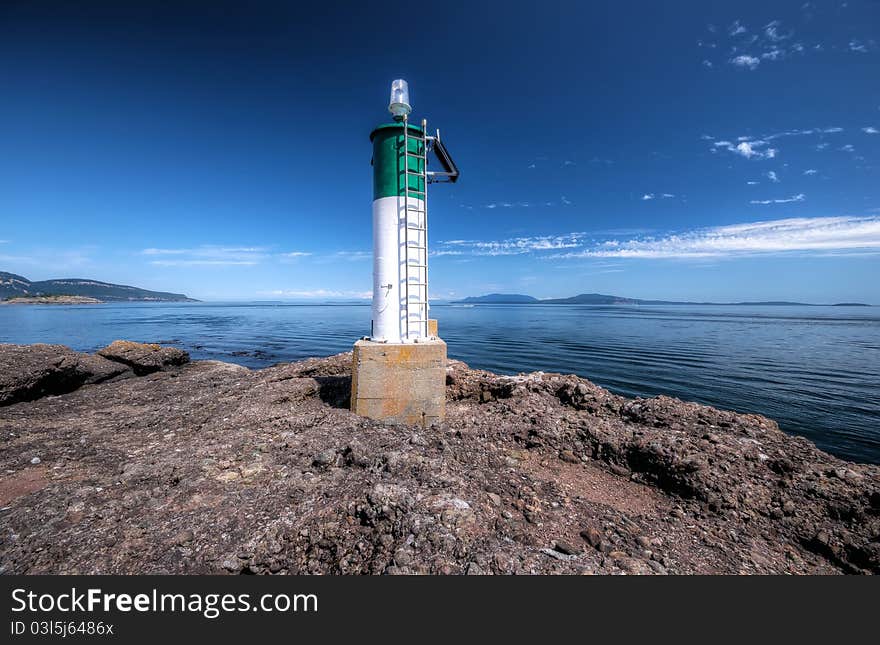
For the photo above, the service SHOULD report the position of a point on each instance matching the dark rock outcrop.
(29, 372)
(144, 358)
(210, 468)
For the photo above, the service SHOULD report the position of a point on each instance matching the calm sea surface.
(816, 370)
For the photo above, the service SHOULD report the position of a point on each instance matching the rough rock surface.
(144, 358)
(30, 372)
(213, 468)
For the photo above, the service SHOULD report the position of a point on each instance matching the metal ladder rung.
(421, 220)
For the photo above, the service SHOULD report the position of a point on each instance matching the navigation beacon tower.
(399, 370)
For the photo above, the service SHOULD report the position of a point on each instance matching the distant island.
(16, 289)
(602, 299)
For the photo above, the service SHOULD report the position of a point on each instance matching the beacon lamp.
(399, 105)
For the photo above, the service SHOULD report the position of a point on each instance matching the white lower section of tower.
(400, 271)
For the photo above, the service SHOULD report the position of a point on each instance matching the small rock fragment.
(592, 536)
(325, 457)
(566, 548)
(183, 537)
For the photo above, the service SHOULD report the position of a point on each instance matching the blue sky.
(686, 150)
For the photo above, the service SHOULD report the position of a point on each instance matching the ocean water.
(815, 370)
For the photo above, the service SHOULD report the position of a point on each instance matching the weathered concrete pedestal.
(400, 382)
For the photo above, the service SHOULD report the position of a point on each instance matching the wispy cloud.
(810, 171)
(204, 249)
(56, 259)
(747, 49)
(803, 132)
(519, 204)
(757, 147)
(205, 263)
(771, 175)
(509, 205)
(647, 196)
(511, 246)
(771, 31)
(210, 255)
(803, 234)
(293, 257)
(785, 200)
(870, 130)
(352, 256)
(746, 61)
(207, 255)
(748, 149)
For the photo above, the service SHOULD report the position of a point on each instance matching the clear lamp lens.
(399, 105)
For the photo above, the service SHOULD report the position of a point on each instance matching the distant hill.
(590, 299)
(500, 298)
(603, 299)
(12, 286)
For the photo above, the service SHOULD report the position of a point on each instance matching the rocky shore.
(135, 460)
(51, 300)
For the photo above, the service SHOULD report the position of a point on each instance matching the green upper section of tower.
(390, 162)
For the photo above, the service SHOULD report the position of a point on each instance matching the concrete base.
(399, 383)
